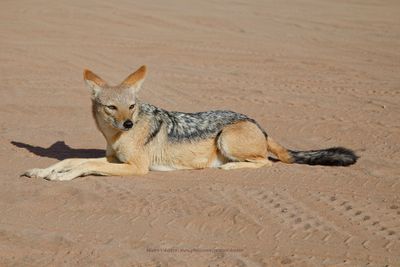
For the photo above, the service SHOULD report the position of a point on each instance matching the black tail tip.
(342, 156)
(334, 156)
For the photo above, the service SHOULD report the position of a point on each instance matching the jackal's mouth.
(120, 126)
(114, 124)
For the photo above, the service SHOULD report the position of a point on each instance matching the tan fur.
(278, 150)
(243, 142)
(196, 155)
(187, 156)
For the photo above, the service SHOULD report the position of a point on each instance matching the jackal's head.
(116, 105)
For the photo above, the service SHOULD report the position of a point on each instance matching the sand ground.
(314, 73)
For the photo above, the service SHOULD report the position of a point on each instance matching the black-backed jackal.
(141, 137)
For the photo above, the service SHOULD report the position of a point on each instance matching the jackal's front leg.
(92, 167)
(60, 167)
(69, 169)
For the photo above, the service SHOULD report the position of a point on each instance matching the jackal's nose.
(128, 124)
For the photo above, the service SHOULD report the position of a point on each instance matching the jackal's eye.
(112, 107)
(132, 106)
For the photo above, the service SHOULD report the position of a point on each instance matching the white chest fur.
(123, 148)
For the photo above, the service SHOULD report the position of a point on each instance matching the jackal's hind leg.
(241, 164)
(244, 144)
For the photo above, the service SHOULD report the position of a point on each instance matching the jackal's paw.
(62, 176)
(34, 173)
(229, 166)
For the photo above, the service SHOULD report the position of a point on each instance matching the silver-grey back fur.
(182, 126)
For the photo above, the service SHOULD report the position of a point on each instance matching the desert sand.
(314, 74)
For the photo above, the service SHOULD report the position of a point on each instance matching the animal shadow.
(59, 150)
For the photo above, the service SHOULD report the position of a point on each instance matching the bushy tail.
(335, 156)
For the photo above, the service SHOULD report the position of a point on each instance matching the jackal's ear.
(136, 79)
(94, 82)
